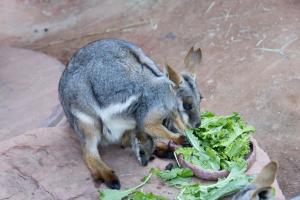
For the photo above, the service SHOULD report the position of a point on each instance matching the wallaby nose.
(144, 163)
(198, 124)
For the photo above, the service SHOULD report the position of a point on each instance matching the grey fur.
(251, 192)
(110, 71)
(188, 89)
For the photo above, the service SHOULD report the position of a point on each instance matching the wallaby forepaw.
(183, 140)
(169, 154)
(112, 181)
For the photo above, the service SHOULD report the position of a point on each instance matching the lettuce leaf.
(110, 194)
(140, 195)
(177, 177)
(235, 181)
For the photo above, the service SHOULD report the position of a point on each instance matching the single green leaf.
(139, 195)
(110, 194)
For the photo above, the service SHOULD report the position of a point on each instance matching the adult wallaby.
(110, 86)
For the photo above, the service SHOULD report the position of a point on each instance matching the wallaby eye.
(200, 95)
(142, 153)
(187, 106)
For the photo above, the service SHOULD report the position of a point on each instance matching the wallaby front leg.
(99, 169)
(158, 130)
(179, 123)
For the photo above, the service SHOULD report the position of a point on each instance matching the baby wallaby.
(142, 145)
(261, 188)
(110, 86)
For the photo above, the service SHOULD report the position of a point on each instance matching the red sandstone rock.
(28, 90)
(47, 164)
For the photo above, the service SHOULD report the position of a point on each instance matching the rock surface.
(28, 88)
(46, 163)
(250, 50)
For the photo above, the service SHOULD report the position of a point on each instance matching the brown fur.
(267, 175)
(163, 150)
(179, 123)
(125, 141)
(173, 76)
(158, 130)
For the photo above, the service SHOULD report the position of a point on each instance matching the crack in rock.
(34, 181)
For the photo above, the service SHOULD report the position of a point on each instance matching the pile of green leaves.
(220, 142)
(235, 181)
(177, 177)
(181, 178)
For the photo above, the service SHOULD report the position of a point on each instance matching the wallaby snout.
(188, 95)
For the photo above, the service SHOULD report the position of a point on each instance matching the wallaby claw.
(114, 184)
(169, 154)
(112, 181)
(183, 140)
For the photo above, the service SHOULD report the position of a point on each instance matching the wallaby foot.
(100, 171)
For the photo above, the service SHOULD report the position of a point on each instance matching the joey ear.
(192, 60)
(267, 175)
(264, 193)
(173, 75)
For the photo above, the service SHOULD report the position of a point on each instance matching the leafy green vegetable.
(167, 175)
(110, 194)
(235, 181)
(139, 195)
(176, 177)
(179, 177)
(222, 142)
(219, 142)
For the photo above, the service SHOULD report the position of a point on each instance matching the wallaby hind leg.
(99, 169)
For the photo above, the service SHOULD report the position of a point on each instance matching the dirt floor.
(251, 53)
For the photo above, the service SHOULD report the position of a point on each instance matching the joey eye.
(142, 153)
(200, 95)
(187, 106)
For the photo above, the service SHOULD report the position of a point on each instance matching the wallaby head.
(188, 95)
(261, 188)
(144, 146)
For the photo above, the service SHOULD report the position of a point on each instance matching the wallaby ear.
(267, 175)
(265, 193)
(192, 60)
(173, 75)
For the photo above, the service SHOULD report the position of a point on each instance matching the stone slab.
(46, 163)
(28, 90)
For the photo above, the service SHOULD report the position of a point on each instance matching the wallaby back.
(109, 72)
